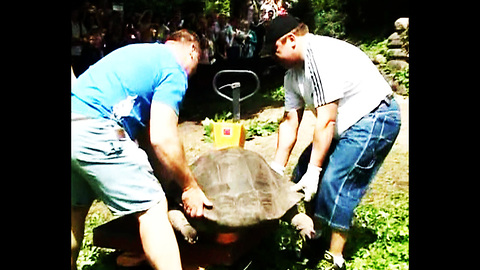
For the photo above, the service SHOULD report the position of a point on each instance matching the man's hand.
(309, 182)
(277, 168)
(194, 200)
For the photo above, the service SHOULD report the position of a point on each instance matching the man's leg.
(337, 243)
(118, 173)
(355, 161)
(158, 238)
(78, 216)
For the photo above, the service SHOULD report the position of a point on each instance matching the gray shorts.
(110, 168)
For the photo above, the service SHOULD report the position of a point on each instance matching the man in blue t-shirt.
(134, 94)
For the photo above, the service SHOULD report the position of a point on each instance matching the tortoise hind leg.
(180, 223)
(304, 225)
(301, 221)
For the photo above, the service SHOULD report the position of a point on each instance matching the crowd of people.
(97, 31)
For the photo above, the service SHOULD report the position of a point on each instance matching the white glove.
(278, 168)
(309, 182)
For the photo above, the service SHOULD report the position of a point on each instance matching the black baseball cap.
(278, 27)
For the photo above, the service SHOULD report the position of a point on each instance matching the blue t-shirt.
(122, 85)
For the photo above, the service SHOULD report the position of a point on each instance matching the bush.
(330, 23)
(330, 18)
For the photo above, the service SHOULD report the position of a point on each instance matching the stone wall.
(396, 58)
(397, 52)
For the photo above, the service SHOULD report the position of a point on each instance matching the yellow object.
(228, 134)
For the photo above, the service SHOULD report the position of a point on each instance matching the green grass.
(92, 257)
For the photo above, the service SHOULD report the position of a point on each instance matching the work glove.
(278, 168)
(309, 182)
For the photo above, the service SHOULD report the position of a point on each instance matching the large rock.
(397, 54)
(379, 59)
(397, 65)
(401, 24)
(394, 41)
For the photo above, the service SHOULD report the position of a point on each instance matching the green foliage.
(93, 257)
(330, 18)
(379, 47)
(402, 77)
(260, 128)
(277, 94)
(207, 130)
(224, 116)
(330, 23)
(374, 47)
(219, 6)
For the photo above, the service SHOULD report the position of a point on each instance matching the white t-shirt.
(335, 70)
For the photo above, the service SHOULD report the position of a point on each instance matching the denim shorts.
(110, 168)
(353, 161)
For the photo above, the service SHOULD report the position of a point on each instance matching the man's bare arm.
(287, 136)
(168, 149)
(323, 133)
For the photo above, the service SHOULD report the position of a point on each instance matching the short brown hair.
(185, 36)
(300, 30)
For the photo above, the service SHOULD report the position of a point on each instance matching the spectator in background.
(190, 22)
(245, 39)
(259, 29)
(131, 34)
(144, 24)
(163, 31)
(114, 37)
(79, 32)
(213, 27)
(269, 10)
(282, 7)
(224, 37)
(176, 23)
(92, 51)
(206, 44)
(92, 17)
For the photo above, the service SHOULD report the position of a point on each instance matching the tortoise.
(248, 199)
(245, 192)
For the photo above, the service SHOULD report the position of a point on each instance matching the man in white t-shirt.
(357, 123)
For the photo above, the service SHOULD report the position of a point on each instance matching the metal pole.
(236, 87)
(236, 103)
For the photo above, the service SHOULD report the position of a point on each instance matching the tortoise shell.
(243, 188)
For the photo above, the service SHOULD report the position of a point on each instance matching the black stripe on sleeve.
(318, 94)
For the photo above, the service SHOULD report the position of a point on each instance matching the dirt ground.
(192, 136)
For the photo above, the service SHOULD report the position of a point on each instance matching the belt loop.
(388, 99)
